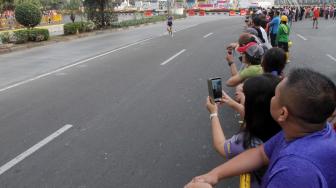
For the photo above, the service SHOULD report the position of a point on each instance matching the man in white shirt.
(261, 31)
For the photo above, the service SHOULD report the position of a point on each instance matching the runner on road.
(170, 25)
(316, 15)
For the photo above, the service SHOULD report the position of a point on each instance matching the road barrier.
(148, 13)
(204, 13)
(191, 12)
(232, 13)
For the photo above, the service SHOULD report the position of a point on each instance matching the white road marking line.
(72, 65)
(174, 56)
(186, 27)
(60, 74)
(207, 35)
(302, 37)
(331, 57)
(33, 149)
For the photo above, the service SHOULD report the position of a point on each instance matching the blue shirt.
(274, 25)
(170, 19)
(309, 161)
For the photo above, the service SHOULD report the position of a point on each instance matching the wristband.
(213, 115)
(230, 63)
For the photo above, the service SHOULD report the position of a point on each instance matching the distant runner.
(316, 15)
(170, 25)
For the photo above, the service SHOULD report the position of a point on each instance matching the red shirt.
(316, 13)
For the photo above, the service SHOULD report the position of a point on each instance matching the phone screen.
(217, 89)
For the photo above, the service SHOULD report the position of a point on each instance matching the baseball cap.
(252, 31)
(252, 49)
(244, 39)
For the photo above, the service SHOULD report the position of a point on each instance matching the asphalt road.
(132, 104)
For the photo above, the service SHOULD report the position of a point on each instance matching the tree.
(53, 4)
(100, 12)
(6, 5)
(73, 4)
(37, 3)
(28, 15)
(11, 4)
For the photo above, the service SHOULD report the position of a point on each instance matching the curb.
(5, 49)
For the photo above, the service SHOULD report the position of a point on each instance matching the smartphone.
(229, 50)
(215, 89)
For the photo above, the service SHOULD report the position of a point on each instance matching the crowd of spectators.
(287, 137)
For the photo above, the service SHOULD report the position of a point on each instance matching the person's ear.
(283, 114)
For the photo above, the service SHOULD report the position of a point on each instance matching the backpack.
(265, 46)
(260, 34)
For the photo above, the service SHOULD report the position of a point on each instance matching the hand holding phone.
(215, 89)
(229, 49)
(229, 57)
(211, 106)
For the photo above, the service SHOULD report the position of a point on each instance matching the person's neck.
(294, 130)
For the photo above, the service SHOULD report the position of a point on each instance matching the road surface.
(126, 109)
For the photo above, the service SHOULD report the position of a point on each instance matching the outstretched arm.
(247, 161)
(218, 136)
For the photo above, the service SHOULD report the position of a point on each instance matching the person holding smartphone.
(170, 25)
(303, 153)
(251, 57)
(258, 124)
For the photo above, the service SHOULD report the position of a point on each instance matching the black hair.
(256, 20)
(274, 61)
(253, 60)
(259, 123)
(244, 39)
(309, 96)
(260, 36)
(263, 22)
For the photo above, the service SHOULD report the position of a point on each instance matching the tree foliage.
(6, 5)
(28, 15)
(46, 4)
(53, 4)
(37, 3)
(73, 4)
(100, 12)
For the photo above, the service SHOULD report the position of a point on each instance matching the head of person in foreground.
(303, 101)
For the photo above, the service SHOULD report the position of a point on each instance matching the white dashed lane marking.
(173, 57)
(33, 149)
